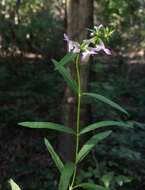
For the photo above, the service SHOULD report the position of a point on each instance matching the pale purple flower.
(75, 48)
(87, 51)
(72, 45)
(101, 46)
(90, 51)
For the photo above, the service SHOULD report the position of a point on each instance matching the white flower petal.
(66, 38)
(72, 45)
(86, 54)
(98, 27)
(107, 51)
(102, 47)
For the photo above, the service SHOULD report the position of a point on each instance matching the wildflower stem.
(78, 118)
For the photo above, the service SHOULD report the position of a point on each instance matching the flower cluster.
(90, 46)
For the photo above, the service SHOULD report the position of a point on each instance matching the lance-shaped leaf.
(66, 175)
(65, 60)
(13, 185)
(105, 100)
(87, 147)
(67, 76)
(54, 155)
(47, 125)
(90, 186)
(68, 58)
(104, 124)
(56, 63)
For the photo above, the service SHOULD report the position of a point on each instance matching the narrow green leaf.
(13, 185)
(107, 179)
(66, 175)
(87, 147)
(47, 125)
(104, 124)
(67, 76)
(90, 186)
(54, 155)
(66, 59)
(105, 100)
(56, 63)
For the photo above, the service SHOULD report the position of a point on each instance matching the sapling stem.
(77, 64)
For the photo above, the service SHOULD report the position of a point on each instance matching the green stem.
(78, 119)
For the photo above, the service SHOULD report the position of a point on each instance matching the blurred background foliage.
(31, 34)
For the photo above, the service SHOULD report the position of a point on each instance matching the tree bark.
(79, 18)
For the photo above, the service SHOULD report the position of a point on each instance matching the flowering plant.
(85, 48)
(79, 52)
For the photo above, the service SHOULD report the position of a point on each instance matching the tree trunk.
(79, 18)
